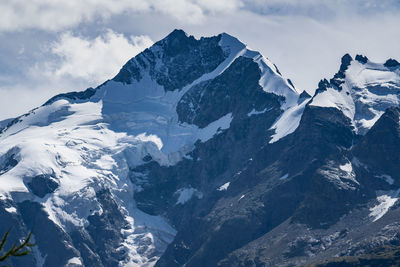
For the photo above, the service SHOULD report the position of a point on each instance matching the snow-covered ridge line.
(271, 80)
(362, 91)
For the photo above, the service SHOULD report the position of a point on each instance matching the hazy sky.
(48, 46)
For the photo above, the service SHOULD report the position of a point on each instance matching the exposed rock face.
(380, 147)
(41, 185)
(199, 153)
(175, 61)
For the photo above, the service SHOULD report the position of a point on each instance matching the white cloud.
(179, 9)
(72, 63)
(58, 15)
(93, 60)
(322, 9)
(222, 6)
(18, 100)
(63, 14)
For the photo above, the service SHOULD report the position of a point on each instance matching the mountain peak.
(345, 62)
(391, 63)
(362, 59)
(186, 58)
(361, 89)
(177, 36)
(175, 61)
(177, 33)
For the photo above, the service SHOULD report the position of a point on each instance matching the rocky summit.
(199, 153)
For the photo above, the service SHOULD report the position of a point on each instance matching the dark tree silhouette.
(15, 250)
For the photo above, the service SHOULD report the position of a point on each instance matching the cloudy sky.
(49, 46)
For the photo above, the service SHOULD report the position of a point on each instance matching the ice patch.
(40, 259)
(335, 99)
(146, 228)
(215, 127)
(386, 177)
(150, 138)
(185, 194)
(358, 163)
(288, 122)
(344, 179)
(385, 203)
(346, 167)
(11, 210)
(224, 187)
(75, 260)
(255, 112)
(284, 176)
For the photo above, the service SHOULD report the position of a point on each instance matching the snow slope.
(70, 143)
(385, 202)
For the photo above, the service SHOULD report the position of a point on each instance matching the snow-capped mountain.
(362, 90)
(199, 153)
